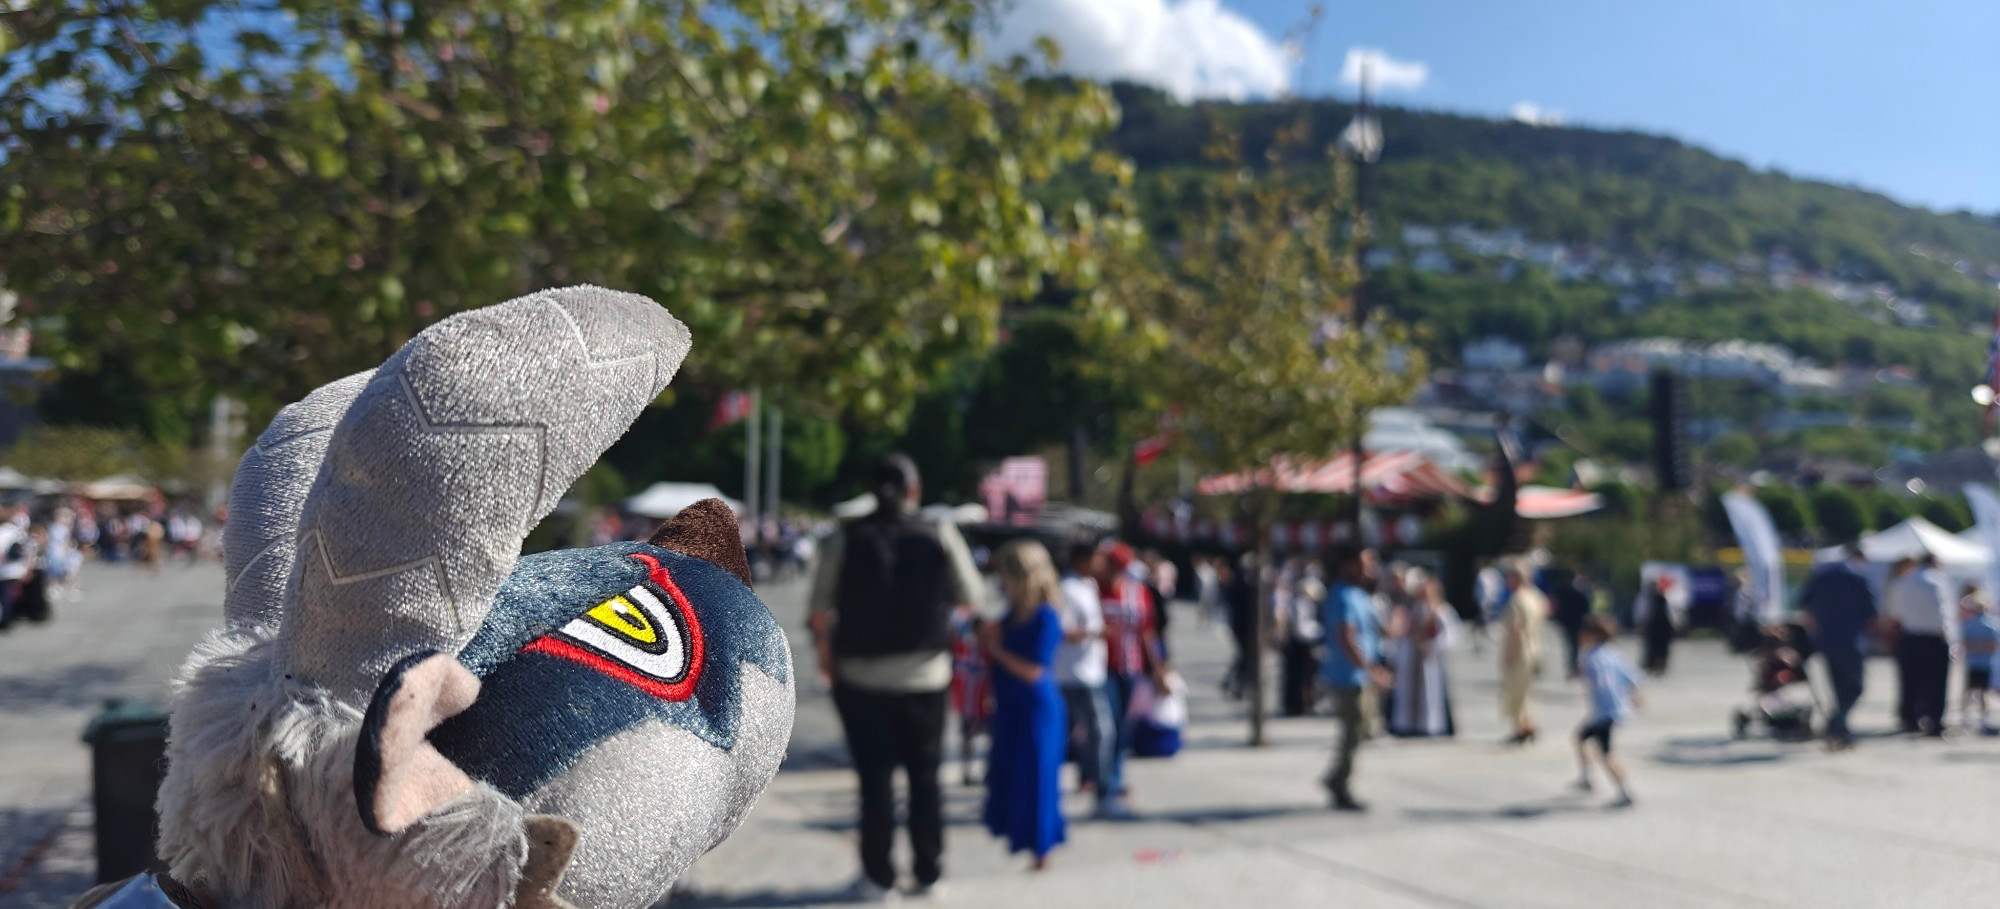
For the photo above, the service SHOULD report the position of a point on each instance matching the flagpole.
(771, 468)
(750, 452)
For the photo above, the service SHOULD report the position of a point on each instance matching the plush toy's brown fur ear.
(551, 841)
(706, 530)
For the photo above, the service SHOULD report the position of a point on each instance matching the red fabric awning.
(1392, 478)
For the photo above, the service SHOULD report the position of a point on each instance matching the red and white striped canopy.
(1550, 502)
(1392, 478)
(1331, 476)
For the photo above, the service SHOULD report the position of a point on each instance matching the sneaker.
(864, 890)
(1112, 809)
(1344, 802)
(930, 892)
(1583, 784)
(1624, 800)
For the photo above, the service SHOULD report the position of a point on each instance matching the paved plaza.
(1462, 823)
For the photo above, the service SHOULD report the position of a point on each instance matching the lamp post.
(1362, 139)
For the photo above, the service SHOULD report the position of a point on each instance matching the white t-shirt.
(14, 569)
(1081, 663)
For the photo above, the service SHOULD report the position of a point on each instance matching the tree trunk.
(1253, 658)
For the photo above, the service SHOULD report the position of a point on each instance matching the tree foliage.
(1245, 321)
(1839, 513)
(258, 196)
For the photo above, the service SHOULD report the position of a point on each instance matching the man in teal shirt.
(1352, 663)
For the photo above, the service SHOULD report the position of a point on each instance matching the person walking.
(1131, 652)
(1979, 643)
(881, 605)
(1299, 594)
(17, 559)
(1839, 612)
(1024, 766)
(1657, 625)
(1080, 668)
(1351, 667)
(1420, 632)
(1520, 647)
(1611, 688)
(1239, 596)
(1925, 619)
(1571, 603)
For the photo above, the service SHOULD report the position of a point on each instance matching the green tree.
(259, 197)
(1951, 513)
(1839, 512)
(1246, 327)
(1790, 512)
(1886, 509)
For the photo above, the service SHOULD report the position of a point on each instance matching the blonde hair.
(1027, 571)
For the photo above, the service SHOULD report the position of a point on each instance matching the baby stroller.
(1775, 668)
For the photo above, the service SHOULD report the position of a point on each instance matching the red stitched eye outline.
(678, 689)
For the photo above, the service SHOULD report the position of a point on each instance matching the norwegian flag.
(731, 408)
(1992, 378)
(1149, 449)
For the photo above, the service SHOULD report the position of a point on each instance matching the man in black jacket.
(882, 598)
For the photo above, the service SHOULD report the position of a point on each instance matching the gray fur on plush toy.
(401, 712)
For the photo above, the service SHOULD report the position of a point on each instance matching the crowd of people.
(1925, 620)
(1370, 644)
(1073, 667)
(45, 546)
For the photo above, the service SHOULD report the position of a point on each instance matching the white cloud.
(1385, 73)
(1189, 48)
(1534, 114)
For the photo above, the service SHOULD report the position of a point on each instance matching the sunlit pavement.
(1466, 822)
(1898, 822)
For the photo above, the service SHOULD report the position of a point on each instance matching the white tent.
(1916, 537)
(969, 513)
(121, 487)
(664, 500)
(864, 505)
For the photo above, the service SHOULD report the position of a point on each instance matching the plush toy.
(403, 712)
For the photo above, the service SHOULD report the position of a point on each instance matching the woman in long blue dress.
(1030, 727)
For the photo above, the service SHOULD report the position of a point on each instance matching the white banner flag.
(1986, 517)
(1762, 554)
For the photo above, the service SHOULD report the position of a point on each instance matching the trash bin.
(128, 757)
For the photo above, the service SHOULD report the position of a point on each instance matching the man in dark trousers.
(1924, 613)
(1840, 612)
(882, 597)
(1572, 605)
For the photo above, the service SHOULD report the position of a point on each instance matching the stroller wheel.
(1739, 725)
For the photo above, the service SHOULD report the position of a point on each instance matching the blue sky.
(1900, 96)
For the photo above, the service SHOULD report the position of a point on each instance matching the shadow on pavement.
(69, 687)
(1971, 757)
(1519, 811)
(760, 898)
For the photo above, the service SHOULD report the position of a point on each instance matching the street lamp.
(1363, 139)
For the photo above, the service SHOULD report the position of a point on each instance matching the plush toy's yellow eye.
(647, 636)
(619, 615)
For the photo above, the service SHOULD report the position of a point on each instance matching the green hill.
(1864, 280)
(1639, 194)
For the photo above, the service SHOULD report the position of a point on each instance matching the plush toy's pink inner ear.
(398, 776)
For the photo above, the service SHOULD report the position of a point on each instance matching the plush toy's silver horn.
(457, 447)
(261, 539)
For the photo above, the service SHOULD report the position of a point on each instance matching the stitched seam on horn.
(334, 577)
(263, 447)
(250, 563)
